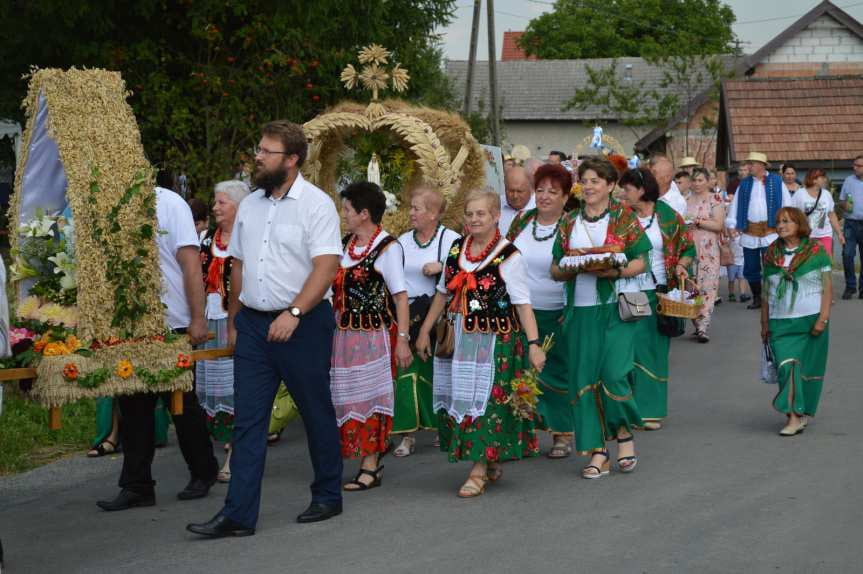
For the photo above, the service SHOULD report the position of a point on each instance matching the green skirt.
(555, 412)
(601, 357)
(801, 361)
(413, 398)
(498, 434)
(650, 375)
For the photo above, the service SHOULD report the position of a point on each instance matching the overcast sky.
(757, 21)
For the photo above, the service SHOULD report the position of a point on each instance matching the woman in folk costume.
(370, 300)
(672, 251)
(426, 247)
(794, 317)
(493, 329)
(214, 379)
(533, 233)
(599, 344)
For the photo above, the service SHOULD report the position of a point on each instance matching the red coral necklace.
(368, 248)
(485, 251)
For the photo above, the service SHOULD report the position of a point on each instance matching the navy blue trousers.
(303, 363)
(752, 266)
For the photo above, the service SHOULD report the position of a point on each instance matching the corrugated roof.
(807, 119)
(539, 89)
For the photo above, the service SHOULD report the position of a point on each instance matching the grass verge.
(25, 439)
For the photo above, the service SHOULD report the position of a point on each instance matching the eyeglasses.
(264, 151)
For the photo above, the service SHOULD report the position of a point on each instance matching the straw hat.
(688, 162)
(756, 156)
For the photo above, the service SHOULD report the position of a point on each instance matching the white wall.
(825, 40)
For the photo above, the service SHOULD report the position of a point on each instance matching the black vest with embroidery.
(486, 309)
(362, 297)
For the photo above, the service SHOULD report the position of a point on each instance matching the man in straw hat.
(753, 215)
(687, 163)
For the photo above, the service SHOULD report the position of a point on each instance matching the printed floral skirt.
(362, 439)
(221, 426)
(497, 435)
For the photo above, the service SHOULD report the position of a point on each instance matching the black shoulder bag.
(419, 307)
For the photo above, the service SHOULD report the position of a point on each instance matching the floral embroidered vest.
(361, 294)
(481, 295)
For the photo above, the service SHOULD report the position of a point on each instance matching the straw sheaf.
(94, 127)
(439, 141)
(52, 390)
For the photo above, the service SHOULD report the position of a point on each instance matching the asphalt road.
(717, 490)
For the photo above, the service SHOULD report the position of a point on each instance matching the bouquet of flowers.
(46, 256)
(524, 389)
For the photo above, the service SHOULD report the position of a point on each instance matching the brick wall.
(825, 47)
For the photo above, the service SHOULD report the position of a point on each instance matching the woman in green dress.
(672, 251)
(493, 329)
(425, 247)
(600, 345)
(794, 317)
(533, 233)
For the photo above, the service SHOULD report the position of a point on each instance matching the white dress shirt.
(276, 239)
(508, 213)
(757, 214)
(675, 199)
(176, 230)
(416, 258)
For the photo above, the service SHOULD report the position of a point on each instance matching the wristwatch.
(534, 342)
(295, 311)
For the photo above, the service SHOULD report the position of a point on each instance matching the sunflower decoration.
(125, 369)
(374, 76)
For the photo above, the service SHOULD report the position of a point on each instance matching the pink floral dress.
(707, 250)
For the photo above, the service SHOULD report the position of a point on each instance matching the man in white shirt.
(753, 215)
(183, 297)
(519, 196)
(286, 250)
(663, 171)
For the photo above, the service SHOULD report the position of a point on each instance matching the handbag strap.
(439, 250)
(815, 205)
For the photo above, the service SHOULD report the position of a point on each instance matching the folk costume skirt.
(214, 384)
(801, 360)
(601, 358)
(650, 375)
(413, 397)
(361, 383)
(555, 412)
(497, 434)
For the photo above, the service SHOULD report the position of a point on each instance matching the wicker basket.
(677, 307)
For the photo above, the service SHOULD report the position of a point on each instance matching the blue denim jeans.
(853, 232)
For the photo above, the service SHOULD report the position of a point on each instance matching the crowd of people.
(377, 337)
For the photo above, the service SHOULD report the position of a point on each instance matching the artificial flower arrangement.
(524, 389)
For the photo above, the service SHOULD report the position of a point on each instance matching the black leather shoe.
(848, 294)
(317, 512)
(220, 527)
(127, 499)
(756, 303)
(196, 488)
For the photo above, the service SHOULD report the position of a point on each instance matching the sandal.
(652, 425)
(626, 464)
(436, 441)
(406, 447)
(494, 473)
(224, 476)
(474, 486)
(377, 480)
(592, 472)
(100, 450)
(562, 446)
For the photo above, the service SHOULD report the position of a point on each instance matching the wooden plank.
(54, 420)
(17, 374)
(177, 403)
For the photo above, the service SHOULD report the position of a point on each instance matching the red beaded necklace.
(485, 251)
(368, 248)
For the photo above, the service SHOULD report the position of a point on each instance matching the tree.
(579, 29)
(205, 74)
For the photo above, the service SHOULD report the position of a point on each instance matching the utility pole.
(471, 63)
(492, 76)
